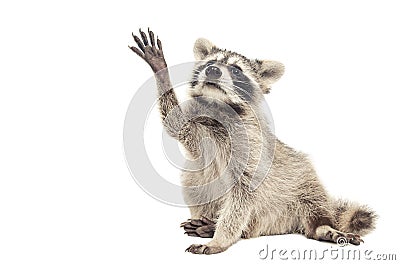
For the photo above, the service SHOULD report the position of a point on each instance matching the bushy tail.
(353, 218)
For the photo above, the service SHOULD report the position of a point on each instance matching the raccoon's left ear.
(269, 72)
(202, 48)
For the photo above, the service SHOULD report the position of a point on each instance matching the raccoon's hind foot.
(202, 227)
(203, 249)
(327, 233)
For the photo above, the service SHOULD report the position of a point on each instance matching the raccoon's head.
(231, 77)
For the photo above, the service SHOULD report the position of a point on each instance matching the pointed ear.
(202, 48)
(269, 72)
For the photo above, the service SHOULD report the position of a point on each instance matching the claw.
(191, 234)
(186, 222)
(159, 44)
(144, 37)
(138, 42)
(151, 35)
(137, 51)
(189, 226)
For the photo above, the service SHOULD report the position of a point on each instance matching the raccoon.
(260, 185)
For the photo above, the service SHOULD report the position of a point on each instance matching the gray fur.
(290, 199)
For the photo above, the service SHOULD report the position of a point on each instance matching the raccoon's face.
(224, 78)
(231, 77)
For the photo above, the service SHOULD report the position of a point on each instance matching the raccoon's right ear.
(202, 48)
(269, 72)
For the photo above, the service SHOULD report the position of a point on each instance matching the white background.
(66, 80)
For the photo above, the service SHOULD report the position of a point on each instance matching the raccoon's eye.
(236, 71)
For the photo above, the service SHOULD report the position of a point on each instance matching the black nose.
(213, 72)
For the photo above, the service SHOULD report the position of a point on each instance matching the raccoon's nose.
(213, 72)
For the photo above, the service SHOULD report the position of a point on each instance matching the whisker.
(242, 82)
(228, 86)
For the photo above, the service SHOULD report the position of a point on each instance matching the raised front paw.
(149, 52)
(202, 227)
(203, 249)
